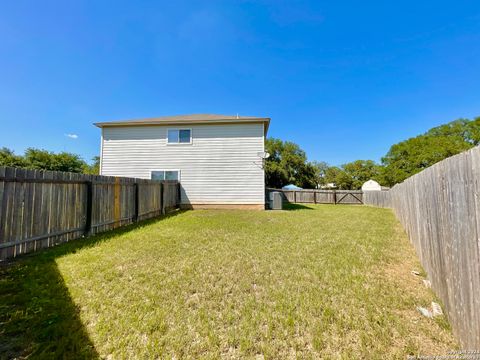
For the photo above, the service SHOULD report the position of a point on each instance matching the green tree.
(287, 164)
(335, 175)
(461, 130)
(46, 160)
(320, 168)
(360, 171)
(8, 158)
(94, 168)
(416, 154)
(351, 176)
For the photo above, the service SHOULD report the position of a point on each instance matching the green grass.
(317, 282)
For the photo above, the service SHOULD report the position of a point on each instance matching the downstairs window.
(165, 175)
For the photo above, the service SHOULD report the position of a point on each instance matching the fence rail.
(440, 211)
(320, 196)
(39, 209)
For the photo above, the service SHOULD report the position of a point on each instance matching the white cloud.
(72, 136)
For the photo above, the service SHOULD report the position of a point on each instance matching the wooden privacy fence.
(377, 198)
(321, 196)
(40, 209)
(440, 211)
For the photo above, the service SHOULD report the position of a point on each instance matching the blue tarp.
(291, 187)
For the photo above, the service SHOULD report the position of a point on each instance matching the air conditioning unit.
(276, 200)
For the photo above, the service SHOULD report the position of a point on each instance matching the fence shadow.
(39, 318)
(291, 206)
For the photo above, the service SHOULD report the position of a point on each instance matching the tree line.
(288, 163)
(47, 160)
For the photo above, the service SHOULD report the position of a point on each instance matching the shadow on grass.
(38, 318)
(291, 206)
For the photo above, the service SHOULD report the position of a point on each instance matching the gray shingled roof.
(187, 119)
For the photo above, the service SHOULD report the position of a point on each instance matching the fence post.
(88, 215)
(335, 197)
(294, 197)
(314, 197)
(162, 197)
(135, 210)
(179, 195)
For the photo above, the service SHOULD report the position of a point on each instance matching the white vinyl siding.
(222, 164)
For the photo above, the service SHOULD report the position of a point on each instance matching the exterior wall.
(221, 166)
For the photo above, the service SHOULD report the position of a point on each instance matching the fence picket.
(44, 208)
(312, 196)
(440, 211)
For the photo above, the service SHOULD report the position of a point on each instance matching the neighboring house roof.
(188, 120)
(291, 187)
(328, 186)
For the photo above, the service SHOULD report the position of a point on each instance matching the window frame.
(179, 143)
(165, 173)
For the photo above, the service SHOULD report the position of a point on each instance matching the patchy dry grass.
(317, 282)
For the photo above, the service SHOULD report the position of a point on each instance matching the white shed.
(371, 185)
(218, 159)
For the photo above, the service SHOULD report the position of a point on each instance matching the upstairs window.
(165, 175)
(179, 136)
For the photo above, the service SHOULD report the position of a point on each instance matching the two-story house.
(218, 159)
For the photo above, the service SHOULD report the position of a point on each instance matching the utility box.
(276, 200)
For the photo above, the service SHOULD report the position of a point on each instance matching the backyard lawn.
(319, 281)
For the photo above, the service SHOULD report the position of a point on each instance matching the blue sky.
(343, 79)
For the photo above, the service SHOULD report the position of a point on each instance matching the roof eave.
(266, 121)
